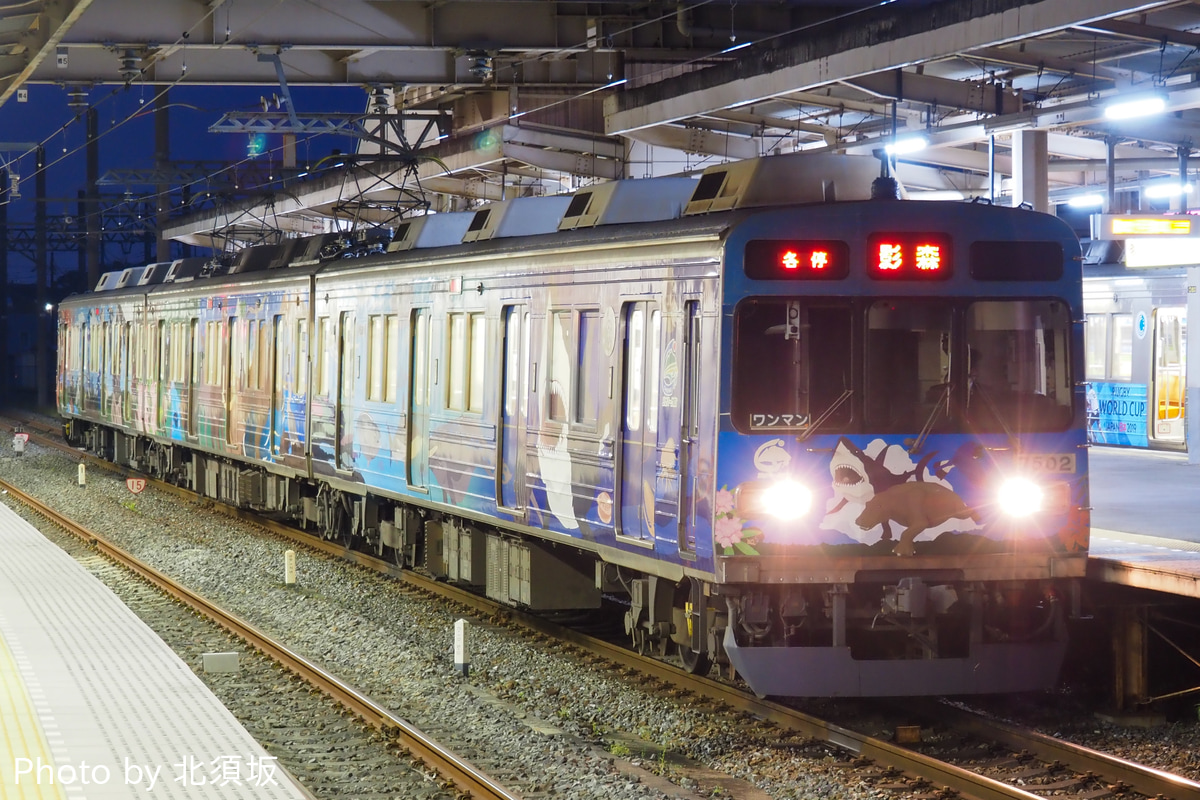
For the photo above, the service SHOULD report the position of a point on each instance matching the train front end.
(900, 500)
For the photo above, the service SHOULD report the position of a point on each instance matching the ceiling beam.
(40, 39)
(912, 87)
(768, 73)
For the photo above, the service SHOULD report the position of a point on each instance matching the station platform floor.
(93, 705)
(1145, 519)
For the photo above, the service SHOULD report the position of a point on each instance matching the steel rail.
(465, 776)
(1146, 780)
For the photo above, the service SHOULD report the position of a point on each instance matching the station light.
(907, 144)
(1135, 107)
(1159, 190)
(1086, 201)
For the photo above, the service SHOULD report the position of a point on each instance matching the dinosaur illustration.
(858, 477)
(917, 505)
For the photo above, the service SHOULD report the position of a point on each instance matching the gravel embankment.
(552, 725)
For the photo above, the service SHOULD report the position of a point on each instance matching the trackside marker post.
(83, 474)
(289, 567)
(462, 650)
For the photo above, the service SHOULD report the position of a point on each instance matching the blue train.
(830, 441)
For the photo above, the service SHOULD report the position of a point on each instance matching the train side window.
(320, 358)
(587, 393)
(265, 344)
(558, 376)
(653, 345)
(376, 331)
(1121, 354)
(164, 352)
(456, 364)
(1095, 339)
(301, 348)
(477, 362)
(252, 354)
(196, 347)
(109, 366)
(635, 358)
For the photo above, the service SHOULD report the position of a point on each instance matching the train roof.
(651, 210)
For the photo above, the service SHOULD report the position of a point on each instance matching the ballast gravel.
(553, 726)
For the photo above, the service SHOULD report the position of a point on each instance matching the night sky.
(126, 129)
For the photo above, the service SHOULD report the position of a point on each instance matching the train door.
(1169, 381)
(279, 381)
(689, 424)
(194, 372)
(514, 372)
(637, 484)
(345, 390)
(418, 400)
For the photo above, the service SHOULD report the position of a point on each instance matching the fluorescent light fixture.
(907, 144)
(1167, 190)
(1086, 201)
(1133, 107)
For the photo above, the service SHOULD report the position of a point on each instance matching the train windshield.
(943, 365)
(792, 363)
(1018, 365)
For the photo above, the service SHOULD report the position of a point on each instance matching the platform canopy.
(509, 97)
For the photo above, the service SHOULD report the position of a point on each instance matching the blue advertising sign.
(1116, 414)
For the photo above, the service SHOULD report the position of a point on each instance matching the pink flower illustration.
(728, 530)
(724, 503)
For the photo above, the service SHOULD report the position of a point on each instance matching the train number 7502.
(1047, 462)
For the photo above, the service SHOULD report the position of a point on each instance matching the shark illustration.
(860, 475)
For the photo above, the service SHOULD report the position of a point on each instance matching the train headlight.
(1020, 497)
(783, 499)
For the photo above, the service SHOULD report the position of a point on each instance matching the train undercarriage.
(915, 635)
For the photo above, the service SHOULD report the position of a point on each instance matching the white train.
(1136, 355)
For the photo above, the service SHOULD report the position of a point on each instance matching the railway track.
(467, 778)
(990, 759)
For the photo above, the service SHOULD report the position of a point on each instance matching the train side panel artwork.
(837, 446)
(1136, 358)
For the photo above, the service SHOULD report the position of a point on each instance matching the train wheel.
(693, 662)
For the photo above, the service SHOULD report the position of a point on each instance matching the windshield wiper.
(978, 390)
(811, 429)
(942, 402)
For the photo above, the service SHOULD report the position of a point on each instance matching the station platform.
(93, 705)
(1145, 520)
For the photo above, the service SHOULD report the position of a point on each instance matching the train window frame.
(254, 337)
(196, 349)
(376, 356)
(391, 386)
(1120, 347)
(456, 356)
(300, 369)
(748, 375)
(1019, 371)
(1095, 339)
(587, 382)
(476, 361)
(558, 365)
(266, 359)
(466, 351)
(321, 360)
